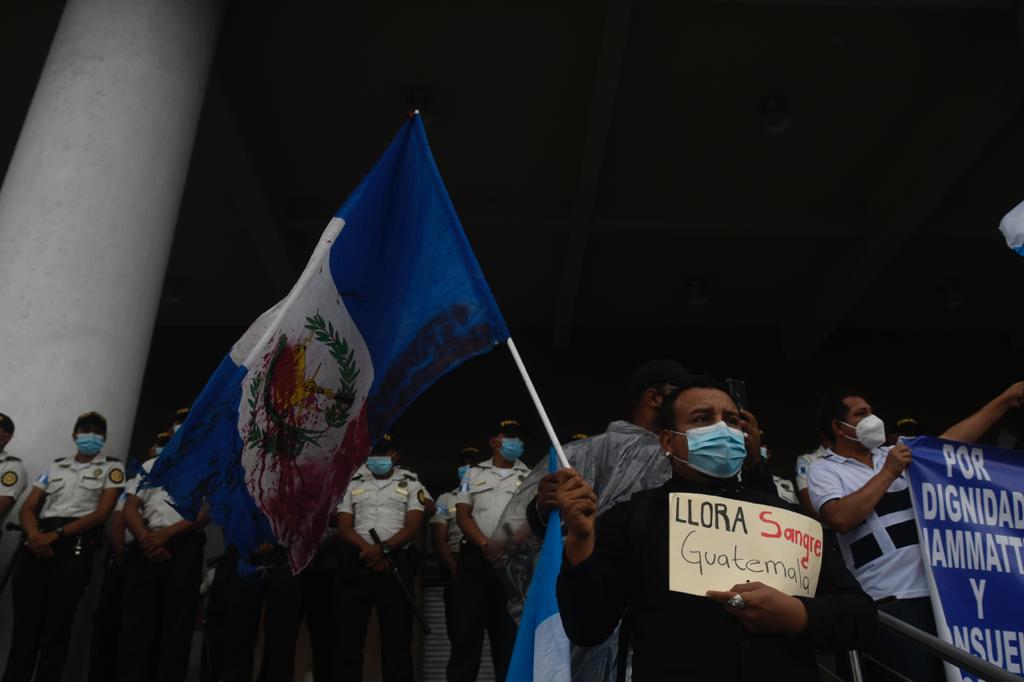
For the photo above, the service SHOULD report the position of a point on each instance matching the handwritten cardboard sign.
(715, 543)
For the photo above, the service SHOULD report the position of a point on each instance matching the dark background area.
(798, 193)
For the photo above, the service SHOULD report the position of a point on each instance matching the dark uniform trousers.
(275, 590)
(158, 611)
(356, 591)
(45, 596)
(317, 581)
(106, 623)
(480, 603)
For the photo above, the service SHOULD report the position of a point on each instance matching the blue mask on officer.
(379, 464)
(511, 448)
(717, 450)
(89, 443)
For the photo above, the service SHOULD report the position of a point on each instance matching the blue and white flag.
(542, 648)
(970, 516)
(1012, 227)
(391, 300)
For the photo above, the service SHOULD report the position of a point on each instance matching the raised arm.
(849, 511)
(974, 427)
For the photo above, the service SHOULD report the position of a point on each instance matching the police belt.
(90, 538)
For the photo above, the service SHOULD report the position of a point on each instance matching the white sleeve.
(823, 484)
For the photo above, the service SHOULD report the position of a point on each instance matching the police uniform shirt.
(381, 503)
(488, 489)
(803, 465)
(446, 514)
(12, 476)
(73, 489)
(882, 552)
(156, 510)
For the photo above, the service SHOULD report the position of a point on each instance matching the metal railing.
(936, 647)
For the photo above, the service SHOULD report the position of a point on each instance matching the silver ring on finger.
(737, 602)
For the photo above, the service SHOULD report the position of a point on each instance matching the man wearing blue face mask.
(447, 536)
(481, 601)
(389, 500)
(77, 494)
(616, 564)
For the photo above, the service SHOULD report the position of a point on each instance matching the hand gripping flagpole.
(536, 403)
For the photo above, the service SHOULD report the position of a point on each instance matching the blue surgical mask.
(379, 464)
(89, 443)
(717, 450)
(463, 470)
(511, 448)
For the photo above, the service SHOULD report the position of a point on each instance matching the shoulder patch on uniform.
(116, 476)
(9, 478)
(421, 496)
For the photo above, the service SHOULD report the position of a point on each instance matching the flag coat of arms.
(392, 299)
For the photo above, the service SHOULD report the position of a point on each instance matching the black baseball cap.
(385, 444)
(6, 423)
(510, 428)
(655, 373)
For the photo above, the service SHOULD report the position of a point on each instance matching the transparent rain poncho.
(617, 463)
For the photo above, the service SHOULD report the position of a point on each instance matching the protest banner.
(970, 516)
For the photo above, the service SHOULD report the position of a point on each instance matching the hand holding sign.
(767, 610)
(897, 460)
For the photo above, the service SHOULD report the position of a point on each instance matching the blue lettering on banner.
(969, 505)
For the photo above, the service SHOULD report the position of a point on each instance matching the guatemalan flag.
(391, 300)
(1012, 227)
(542, 650)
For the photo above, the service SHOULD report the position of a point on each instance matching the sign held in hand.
(715, 543)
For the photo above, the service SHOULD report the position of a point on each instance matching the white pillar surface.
(87, 215)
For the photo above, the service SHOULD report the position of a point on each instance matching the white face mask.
(870, 431)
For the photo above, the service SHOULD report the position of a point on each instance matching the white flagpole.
(536, 403)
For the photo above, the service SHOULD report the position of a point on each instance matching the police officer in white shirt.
(481, 600)
(106, 619)
(77, 495)
(161, 591)
(389, 500)
(859, 488)
(12, 473)
(802, 468)
(447, 536)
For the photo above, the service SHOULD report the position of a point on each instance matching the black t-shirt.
(678, 636)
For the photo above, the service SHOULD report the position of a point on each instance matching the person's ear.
(395, 456)
(652, 398)
(665, 440)
(494, 442)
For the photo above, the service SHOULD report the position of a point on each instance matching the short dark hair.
(6, 423)
(832, 408)
(91, 420)
(667, 412)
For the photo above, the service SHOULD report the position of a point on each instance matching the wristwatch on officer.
(385, 548)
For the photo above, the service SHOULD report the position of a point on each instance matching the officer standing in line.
(106, 620)
(389, 500)
(317, 580)
(447, 536)
(161, 590)
(481, 601)
(78, 494)
(12, 472)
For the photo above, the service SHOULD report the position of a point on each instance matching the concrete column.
(87, 215)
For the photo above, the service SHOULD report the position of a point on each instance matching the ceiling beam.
(599, 119)
(939, 151)
(263, 230)
(957, 5)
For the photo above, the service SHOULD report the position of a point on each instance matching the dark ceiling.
(801, 166)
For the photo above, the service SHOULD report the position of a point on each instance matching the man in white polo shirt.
(860, 489)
